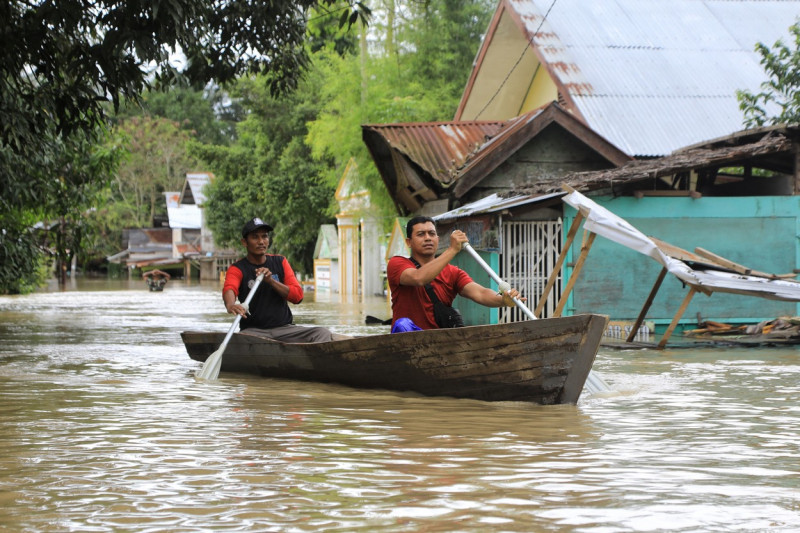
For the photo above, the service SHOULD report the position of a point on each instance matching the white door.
(529, 252)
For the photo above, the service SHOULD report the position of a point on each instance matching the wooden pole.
(587, 244)
(559, 263)
(647, 305)
(678, 315)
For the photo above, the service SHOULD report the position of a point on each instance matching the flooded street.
(104, 428)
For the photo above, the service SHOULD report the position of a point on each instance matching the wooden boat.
(543, 361)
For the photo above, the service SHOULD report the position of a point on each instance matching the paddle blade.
(375, 320)
(210, 370)
(595, 383)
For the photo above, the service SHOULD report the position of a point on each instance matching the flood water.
(104, 428)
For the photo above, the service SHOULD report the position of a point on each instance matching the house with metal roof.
(735, 199)
(649, 76)
(185, 244)
(433, 167)
(621, 83)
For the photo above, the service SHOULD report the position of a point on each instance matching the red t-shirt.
(413, 302)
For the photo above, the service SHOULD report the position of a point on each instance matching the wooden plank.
(647, 305)
(721, 261)
(692, 194)
(677, 317)
(741, 269)
(559, 263)
(587, 244)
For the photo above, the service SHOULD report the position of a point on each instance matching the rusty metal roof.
(652, 76)
(460, 154)
(440, 148)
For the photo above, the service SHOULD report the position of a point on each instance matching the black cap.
(253, 225)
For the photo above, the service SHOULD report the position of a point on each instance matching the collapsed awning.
(708, 272)
(715, 278)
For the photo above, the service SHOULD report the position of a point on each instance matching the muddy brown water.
(104, 428)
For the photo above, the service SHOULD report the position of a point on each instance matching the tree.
(61, 62)
(55, 225)
(414, 74)
(157, 162)
(86, 164)
(270, 173)
(779, 99)
(209, 115)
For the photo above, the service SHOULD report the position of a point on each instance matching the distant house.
(142, 248)
(397, 239)
(186, 243)
(360, 259)
(326, 259)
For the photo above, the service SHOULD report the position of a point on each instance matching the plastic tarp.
(603, 222)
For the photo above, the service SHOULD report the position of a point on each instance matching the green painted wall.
(475, 314)
(758, 232)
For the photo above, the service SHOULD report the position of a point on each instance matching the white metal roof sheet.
(654, 75)
(492, 204)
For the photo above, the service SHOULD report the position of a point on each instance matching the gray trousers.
(292, 333)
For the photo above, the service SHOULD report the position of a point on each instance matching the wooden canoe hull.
(543, 361)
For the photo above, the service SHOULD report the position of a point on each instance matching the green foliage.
(20, 257)
(62, 62)
(269, 173)
(442, 37)
(292, 150)
(417, 76)
(325, 31)
(77, 170)
(208, 115)
(91, 165)
(779, 99)
(157, 163)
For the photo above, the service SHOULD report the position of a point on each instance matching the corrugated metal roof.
(196, 182)
(440, 148)
(652, 76)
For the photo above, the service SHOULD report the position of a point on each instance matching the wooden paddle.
(369, 319)
(593, 382)
(212, 365)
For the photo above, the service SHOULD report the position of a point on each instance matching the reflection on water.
(103, 428)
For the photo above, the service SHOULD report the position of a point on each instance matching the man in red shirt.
(412, 308)
(268, 314)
